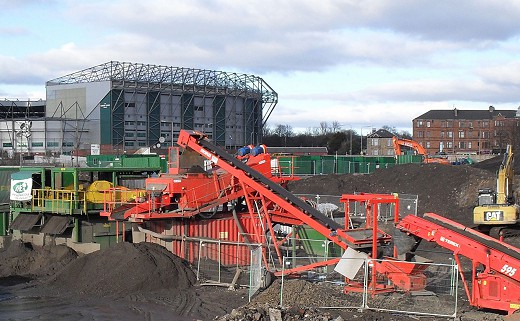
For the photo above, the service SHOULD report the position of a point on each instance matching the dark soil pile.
(301, 299)
(447, 190)
(126, 268)
(493, 164)
(26, 260)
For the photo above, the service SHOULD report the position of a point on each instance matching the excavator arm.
(417, 148)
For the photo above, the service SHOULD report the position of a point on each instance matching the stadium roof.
(219, 82)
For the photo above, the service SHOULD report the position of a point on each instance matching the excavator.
(496, 212)
(418, 149)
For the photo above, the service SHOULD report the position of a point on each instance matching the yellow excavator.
(496, 212)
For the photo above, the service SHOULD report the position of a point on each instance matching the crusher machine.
(246, 184)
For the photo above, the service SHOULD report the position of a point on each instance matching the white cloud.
(364, 61)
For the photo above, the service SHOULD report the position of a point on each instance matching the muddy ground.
(146, 282)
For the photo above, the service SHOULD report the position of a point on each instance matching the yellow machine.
(497, 211)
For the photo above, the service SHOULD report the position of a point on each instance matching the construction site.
(237, 237)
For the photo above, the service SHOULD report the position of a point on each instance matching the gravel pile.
(22, 259)
(126, 268)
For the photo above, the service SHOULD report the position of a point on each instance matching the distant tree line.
(331, 135)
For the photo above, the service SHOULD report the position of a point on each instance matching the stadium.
(122, 107)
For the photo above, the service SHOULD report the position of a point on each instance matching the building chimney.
(518, 112)
(491, 109)
(455, 111)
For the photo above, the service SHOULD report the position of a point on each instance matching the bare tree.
(283, 130)
(324, 128)
(336, 126)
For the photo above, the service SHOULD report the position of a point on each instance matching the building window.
(53, 144)
(428, 145)
(129, 144)
(462, 145)
(36, 144)
(375, 142)
(68, 144)
(449, 124)
(141, 144)
(444, 124)
(449, 145)
(420, 134)
(450, 134)
(428, 134)
(499, 123)
(461, 134)
(420, 123)
(129, 134)
(469, 145)
(428, 124)
(442, 134)
(485, 124)
(462, 124)
(141, 134)
(7, 144)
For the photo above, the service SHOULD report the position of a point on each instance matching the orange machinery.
(418, 149)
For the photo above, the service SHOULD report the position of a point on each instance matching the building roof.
(468, 114)
(382, 133)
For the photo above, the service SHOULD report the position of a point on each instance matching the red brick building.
(466, 131)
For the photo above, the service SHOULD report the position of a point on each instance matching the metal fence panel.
(404, 287)
(434, 292)
(255, 268)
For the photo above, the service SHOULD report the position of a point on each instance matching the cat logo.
(493, 216)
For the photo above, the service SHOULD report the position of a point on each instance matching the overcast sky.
(359, 62)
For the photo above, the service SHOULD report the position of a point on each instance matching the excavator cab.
(486, 196)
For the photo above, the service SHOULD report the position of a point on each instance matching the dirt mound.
(22, 259)
(125, 268)
(302, 301)
(448, 190)
(493, 164)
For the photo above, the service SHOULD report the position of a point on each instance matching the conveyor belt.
(475, 236)
(274, 187)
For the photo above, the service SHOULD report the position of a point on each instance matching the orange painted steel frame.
(497, 286)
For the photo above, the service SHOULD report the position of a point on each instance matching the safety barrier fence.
(216, 262)
(331, 206)
(414, 288)
(300, 166)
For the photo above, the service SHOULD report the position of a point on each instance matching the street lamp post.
(361, 150)
(350, 146)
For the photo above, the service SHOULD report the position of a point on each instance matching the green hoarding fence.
(331, 164)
